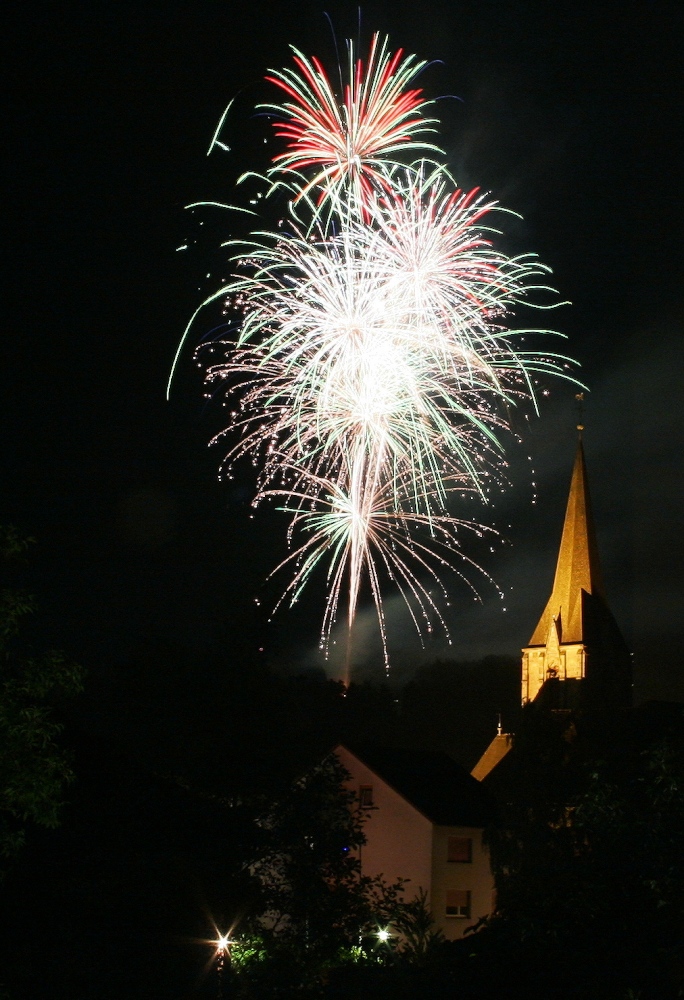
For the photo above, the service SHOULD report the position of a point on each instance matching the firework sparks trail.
(369, 351)
(357, 528)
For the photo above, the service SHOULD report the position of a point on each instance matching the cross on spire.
(579, 402)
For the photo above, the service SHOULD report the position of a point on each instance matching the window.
(460, 849)
(365, 796)
(458, 903)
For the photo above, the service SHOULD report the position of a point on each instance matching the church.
(576, 659)
(428, 815)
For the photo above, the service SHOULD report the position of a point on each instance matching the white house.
(426, 825)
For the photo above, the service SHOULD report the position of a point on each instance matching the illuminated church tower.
(577, 657)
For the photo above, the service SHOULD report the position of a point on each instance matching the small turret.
(494, 754)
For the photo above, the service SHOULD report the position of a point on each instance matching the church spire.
(578, 568)
(576, 655)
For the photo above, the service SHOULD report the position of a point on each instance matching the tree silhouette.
(34, 768)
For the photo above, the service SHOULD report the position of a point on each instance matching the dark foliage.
(589, 861)
(34, 767)
(315, 910)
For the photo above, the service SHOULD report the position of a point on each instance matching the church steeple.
(576, 656)
(578, 568)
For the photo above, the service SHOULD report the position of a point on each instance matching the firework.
(349, 143)
(368, 353)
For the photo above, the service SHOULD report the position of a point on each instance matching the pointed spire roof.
(578, 565)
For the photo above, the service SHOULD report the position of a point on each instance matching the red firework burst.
(348, 142)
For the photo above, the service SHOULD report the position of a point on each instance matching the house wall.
(474, 877)
(398, 837)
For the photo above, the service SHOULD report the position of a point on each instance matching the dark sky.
(569, 114)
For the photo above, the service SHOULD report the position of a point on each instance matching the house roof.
(432, 782)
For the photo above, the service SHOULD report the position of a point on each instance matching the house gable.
(448, 858)
(398, 836)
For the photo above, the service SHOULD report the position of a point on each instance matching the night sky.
(569, 114)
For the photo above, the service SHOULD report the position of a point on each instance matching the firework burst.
(349, 143)
(369, 354)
